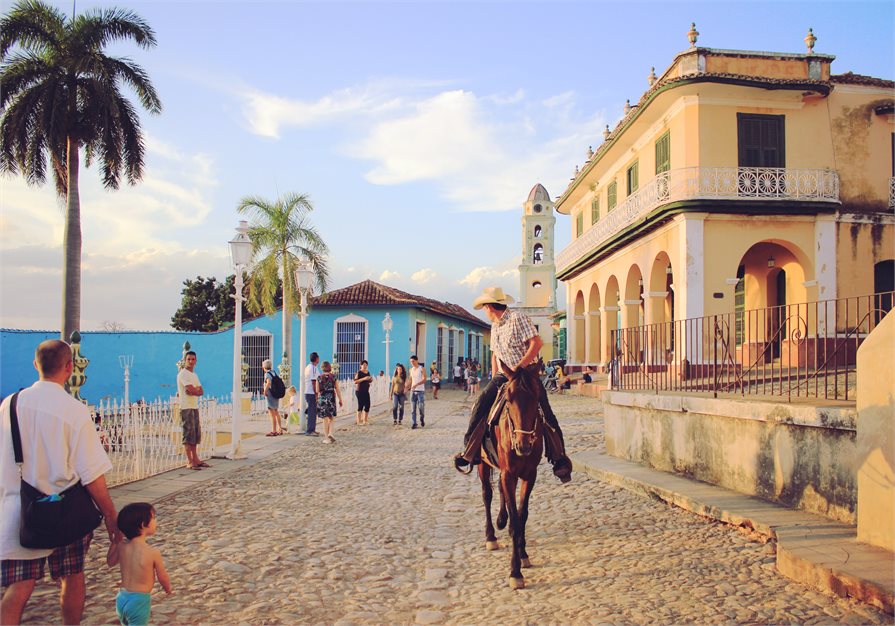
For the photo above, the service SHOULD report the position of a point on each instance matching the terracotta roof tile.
(850, 78)
(369, 293)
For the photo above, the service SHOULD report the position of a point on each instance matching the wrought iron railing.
(708, 183)
(794, 350)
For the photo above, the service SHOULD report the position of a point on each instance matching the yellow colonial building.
(739, 180)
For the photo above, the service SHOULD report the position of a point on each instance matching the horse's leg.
(526, 488)
(502, 514)
(487, 493)
(508, 486)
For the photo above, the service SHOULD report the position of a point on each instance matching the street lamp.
(304, 276)
(387, 325)
(240, 256)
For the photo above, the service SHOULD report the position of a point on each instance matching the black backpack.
(277, 386)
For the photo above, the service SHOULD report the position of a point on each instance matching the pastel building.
(346, 323)
(739, 180)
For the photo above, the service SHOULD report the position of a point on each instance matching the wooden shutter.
(760, 140)
(663, 153)
(611, 195)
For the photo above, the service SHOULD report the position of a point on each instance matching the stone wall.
(799, 454)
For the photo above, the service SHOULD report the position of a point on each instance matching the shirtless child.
(140, 564)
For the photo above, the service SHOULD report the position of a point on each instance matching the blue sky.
(417, 128)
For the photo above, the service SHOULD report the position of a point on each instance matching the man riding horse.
(515, 343)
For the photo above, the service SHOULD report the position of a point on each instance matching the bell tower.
(537, 272)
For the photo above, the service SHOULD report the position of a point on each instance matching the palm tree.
(282, 237)
(60, 92)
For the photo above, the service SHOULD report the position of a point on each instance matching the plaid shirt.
(510, 336)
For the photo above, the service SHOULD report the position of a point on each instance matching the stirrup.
(470, 465)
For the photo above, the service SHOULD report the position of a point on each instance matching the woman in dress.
(398, 393)
(435, 377)
(362, 381)
(328, 388)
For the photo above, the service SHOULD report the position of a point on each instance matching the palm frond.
(33, 25)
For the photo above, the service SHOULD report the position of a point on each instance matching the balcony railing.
(706, 183)
(892, 192)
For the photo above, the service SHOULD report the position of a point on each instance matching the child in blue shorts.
(140, 564)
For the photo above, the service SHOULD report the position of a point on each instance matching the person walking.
(417, 391)
(435, 377)
(515, 343)
(328, 393)
(60, 447)
(311, 373)
(273, 403)
(362, 381)
(458, 374)
(397, 393)
(189, 389)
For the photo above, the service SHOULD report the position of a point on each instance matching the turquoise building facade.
(345, 322)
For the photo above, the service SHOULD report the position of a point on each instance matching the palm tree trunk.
(287, 319)
(71, 267)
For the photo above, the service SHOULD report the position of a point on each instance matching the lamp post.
(240, 256)
(126, 361)
(387, 325)
(304, 276)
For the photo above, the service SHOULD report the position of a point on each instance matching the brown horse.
(519, 443)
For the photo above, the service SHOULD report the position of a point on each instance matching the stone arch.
(610, 320)
(632, 300)
(592, 324)
(577, 322)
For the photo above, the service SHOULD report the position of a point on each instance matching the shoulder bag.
(51, 521)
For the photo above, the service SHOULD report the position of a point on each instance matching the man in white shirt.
(60, 446)
(189, 389)
(417, 391)
(311, 392)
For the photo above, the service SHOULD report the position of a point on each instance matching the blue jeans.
(398, 406)
(418, 398)
(311, 402)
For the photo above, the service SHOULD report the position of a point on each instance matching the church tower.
(537, 272)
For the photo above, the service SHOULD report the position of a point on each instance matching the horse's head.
(522, 408)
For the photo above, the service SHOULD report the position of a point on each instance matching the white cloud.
(388, 275)
(424, 276)
(507, 278)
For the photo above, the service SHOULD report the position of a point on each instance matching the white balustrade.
(707, 183)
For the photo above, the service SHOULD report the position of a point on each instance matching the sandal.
(203, 464)
(271, 434)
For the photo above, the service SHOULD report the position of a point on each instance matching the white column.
(689, 273)
(236, 396)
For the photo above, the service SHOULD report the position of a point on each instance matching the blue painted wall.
(156, 353)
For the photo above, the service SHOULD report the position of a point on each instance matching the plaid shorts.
(192, 433)
(64, 561)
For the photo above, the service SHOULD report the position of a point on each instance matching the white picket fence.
(145, 439)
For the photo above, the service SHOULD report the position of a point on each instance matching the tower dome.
(538, 194)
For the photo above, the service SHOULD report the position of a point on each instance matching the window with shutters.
(760, 140)
(632, 177)
(595, 209)
(611, 195)
(663, 153)
(439, 348)
(579, 223)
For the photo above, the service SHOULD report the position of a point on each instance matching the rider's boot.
(471, 454)
(556, 453)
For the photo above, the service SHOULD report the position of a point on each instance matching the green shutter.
(579, 223)
(595, 209)
(663, 153)
(611, 193)
(632, 178)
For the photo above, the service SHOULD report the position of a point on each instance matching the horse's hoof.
(492, 545)
(517, 583)
(526, 562)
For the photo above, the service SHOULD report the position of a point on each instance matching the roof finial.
(809, 40)
(692, 34)
(590, 152)
(627, 106)
(576, 171)
(606, 133)
(652, 76)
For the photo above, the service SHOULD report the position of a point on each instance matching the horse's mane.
(526, 382)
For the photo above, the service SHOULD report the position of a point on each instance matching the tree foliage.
(207, 305)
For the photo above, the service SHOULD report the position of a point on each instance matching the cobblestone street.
(378, 528)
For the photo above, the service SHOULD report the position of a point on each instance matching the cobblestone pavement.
(378, 528)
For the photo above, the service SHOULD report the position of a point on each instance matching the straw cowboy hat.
(492, 295)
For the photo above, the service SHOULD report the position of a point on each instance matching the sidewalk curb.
(811, 549)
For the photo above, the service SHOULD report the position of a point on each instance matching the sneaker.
(422, 422)
(331, 439)
(413, 427)
(313, 434)
(325, 440)
(395, 423)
